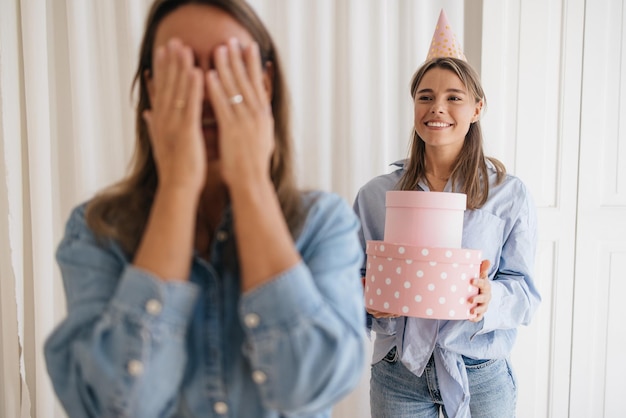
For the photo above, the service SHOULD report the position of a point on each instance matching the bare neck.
(439, 164)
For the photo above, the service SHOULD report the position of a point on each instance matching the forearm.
(166, 247)
(264, 243)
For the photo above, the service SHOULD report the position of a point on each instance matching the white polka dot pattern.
(427, 282)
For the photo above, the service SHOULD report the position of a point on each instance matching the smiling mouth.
(438, 124)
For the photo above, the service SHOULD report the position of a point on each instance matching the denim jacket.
(505, 230)
(135, 346)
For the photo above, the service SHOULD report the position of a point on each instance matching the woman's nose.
(437, 107)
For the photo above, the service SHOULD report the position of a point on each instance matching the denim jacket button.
(252, 320)
(135, 367)
(259, 377)
(220, 408)
(153, 307)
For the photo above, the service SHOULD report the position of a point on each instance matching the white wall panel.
(610, 41)
(616, 333)
(599, 336)
(499, 73)
(532, 360)
(531, 56)
(539, 94)
(598, 332)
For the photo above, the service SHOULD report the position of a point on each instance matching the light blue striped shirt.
(505, 229)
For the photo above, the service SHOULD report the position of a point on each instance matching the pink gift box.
(420, 281)
(432, 219)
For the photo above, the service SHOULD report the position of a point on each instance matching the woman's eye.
(454, 98)
(424, 98)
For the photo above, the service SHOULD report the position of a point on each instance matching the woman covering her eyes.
(205, 284)
(423, 367)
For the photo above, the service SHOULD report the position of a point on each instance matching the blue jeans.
(395, 392)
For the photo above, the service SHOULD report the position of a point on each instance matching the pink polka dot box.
(418, 281)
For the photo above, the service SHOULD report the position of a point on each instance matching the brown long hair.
(121, 211)
(470, 168)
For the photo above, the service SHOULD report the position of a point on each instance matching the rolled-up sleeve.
(515, 297)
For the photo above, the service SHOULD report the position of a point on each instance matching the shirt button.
(222, 236)
(135, 367)
(220, 408)
(252, 320)
(154, 307)
(259, 377)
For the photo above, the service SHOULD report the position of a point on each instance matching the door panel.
(599, 335)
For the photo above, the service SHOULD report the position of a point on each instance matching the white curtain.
(66, 130)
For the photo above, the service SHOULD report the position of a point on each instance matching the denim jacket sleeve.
(120, 350)
(305, 328)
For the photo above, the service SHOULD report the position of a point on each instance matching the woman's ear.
(477, 111)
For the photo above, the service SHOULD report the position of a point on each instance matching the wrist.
(188, 190)
(251, 188)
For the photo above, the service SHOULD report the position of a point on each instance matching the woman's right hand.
(246, 128)
(174, 118)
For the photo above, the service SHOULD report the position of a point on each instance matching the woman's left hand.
(483, 297)
(241, 104)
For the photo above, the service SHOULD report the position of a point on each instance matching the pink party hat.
(444, 43)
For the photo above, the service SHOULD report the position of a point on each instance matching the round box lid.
(421, 199)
